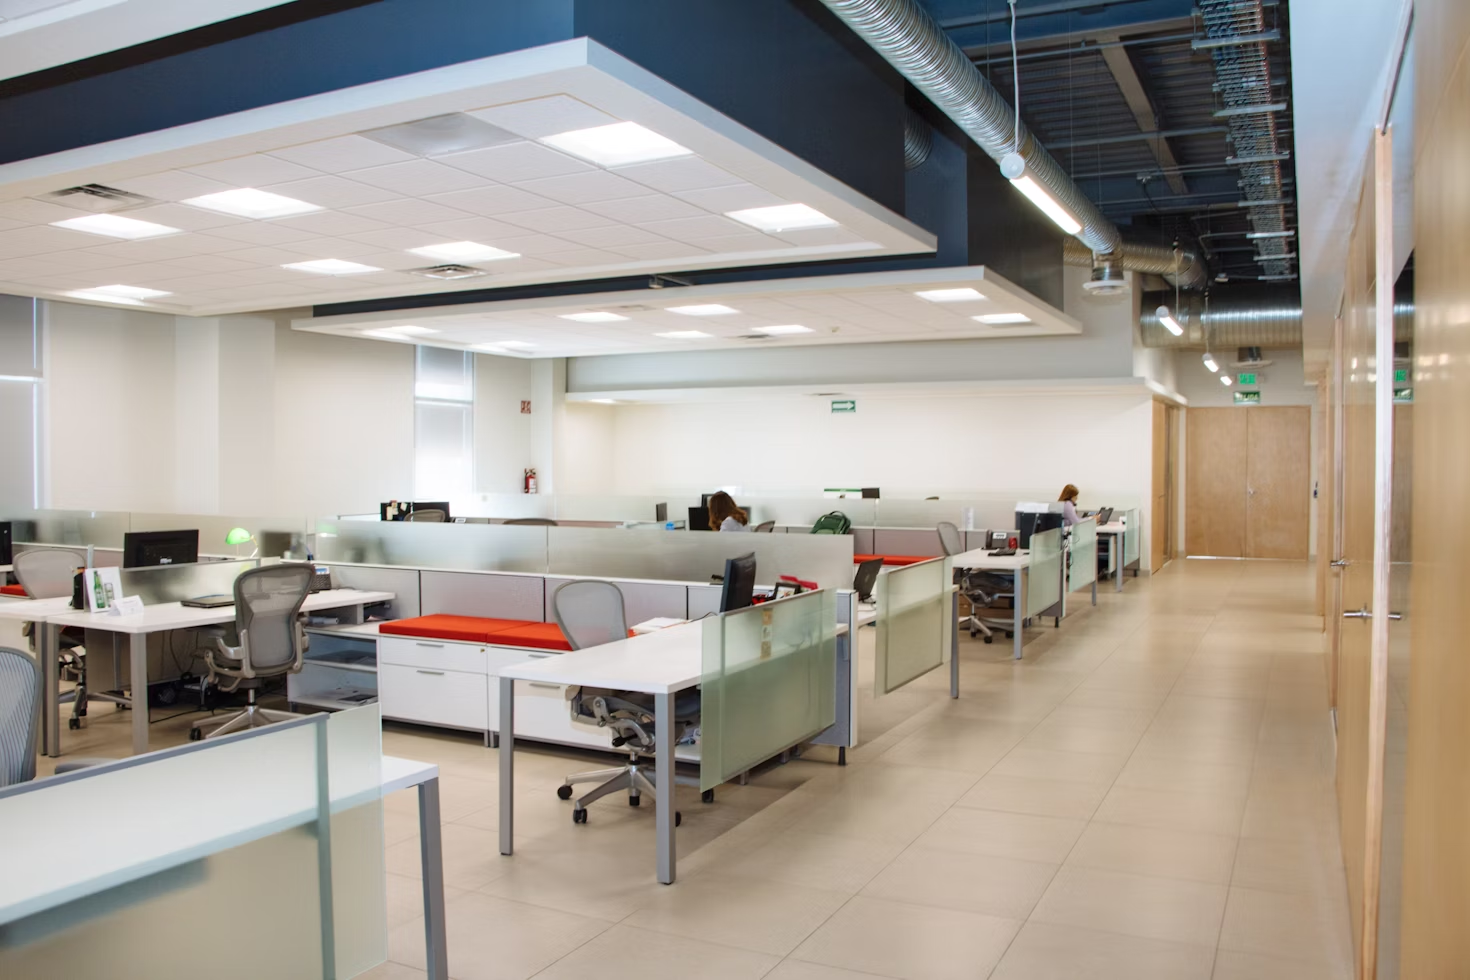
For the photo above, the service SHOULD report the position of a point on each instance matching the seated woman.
(1069, 505)
(725, 516)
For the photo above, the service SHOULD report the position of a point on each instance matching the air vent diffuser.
(448, 271)
(98, 198)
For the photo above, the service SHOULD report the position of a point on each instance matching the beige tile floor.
(1148, 795)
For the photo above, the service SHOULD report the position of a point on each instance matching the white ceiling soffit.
(1131, 388)
(40, 34)
(863, 308)
(373, 200)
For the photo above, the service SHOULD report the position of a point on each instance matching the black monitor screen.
(1029, 523)
(739, 583)
(698, 519)
(142, 548)
(661, 512)
(5, 556)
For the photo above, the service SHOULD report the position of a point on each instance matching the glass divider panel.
(359, 899)
(1132, 538)
(767, 682)
(459, 547)
(914, 622)
(1082, 560)
(1044, 575)
(693, 557)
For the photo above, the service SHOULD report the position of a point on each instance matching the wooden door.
(1278, 482)
(1162, 516)
(1215, 471)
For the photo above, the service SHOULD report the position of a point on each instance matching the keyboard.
(1003, 552)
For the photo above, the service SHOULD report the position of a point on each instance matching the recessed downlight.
(684, 335)
(464, 252)
(593, 316)
(332, 267)
(247, 202)
(998, 318)
(782, 217)
(617, 144)
(958, 295)
(115, 226)
(703, 309)
(784, 330)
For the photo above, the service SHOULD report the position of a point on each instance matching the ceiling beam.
(1142, 107)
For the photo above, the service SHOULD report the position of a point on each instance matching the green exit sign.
(846, 405)
(1400, 376)
(1246, 379)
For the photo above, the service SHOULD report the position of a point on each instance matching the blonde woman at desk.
(725, 516)
(1069, 505)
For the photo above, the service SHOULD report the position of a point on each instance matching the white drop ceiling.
(846, 309)
(568, 219)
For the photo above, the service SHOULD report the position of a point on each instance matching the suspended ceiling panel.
(848, 309)
(469, 154)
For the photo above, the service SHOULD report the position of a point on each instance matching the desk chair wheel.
(1010, 634)
(195, 734)
(634, 801)
(579, 816)
(678, 818)
(74, 723)
(988, 638)
(564, 792)
(708, 796)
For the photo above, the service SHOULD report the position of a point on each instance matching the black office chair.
(981, 589)
(866, 578)
(429, 515)
(765, 527)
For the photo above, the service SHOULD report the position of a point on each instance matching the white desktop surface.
(35, 610)
(1112, 527)
(983, 559)
(661, 662)
(403, 773)
(175, 616)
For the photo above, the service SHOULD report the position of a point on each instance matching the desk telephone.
(321, 579)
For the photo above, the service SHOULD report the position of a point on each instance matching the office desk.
(1018, 566)
(158, 618)
(403, 774)
(1115, 530)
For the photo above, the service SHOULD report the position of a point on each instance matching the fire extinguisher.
(530, 482)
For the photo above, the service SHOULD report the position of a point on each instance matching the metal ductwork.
(1265, 315)
(918, 140)
(1179, 267)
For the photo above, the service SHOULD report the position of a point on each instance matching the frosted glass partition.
(804, 511)
(766, 683)
(1044, 575)
(101, 529)
(693, 557)
(170, 583)
(1132, 538)
(205, 854)
(213, 529)
(915, 622)
(1082, 565)
(468, 547)
(967, 513)
(359, 898)
(576, 507)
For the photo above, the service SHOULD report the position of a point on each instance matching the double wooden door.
(1248, 482)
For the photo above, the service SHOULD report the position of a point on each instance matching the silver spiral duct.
(1263, 315)
(918, 140)
(1180, 268)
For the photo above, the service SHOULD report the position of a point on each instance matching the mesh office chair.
(429, 515)
(532, 522)
(590, 613)
(20, 722)
(765, 527)
(271, 642)
(47, 573)
(981, 589)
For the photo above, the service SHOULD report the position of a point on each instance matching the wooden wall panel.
(1279, 482)
(1163, 516)
(1214, 472)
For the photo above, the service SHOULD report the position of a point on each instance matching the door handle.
(1366, 613)
(433, 673)
(1339, 563)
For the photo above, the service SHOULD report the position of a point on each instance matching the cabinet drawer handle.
(436, 673)
(435, 646)
(541, 656)
(554, 687)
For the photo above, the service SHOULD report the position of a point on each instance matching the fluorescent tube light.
(1226, 380)
(1013, 168)
(95, 296)
(617, 144)
(1211, 363)
(332, 267)
(464, 252)
(782, 217)
(994, 318)
(593, 316)
(115, 226)
(684, 335)
(603, 401)
(1167, 319)
(1270, 234)
(960, 295)
(703, 309)
(784, 330)
(247, 202)
(399, 333)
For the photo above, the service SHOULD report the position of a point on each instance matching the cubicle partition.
(766, 683)
(915, 624)
(1082, 557)
(1044, 576)
(1132, 540)
(275, 834)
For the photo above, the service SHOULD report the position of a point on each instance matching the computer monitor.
(661, 512)
(273, 544)
(1031, 522)
(870, 493)
(5, 537)
(1104, 516)
(698, 519)
(142, 548)
(739, 583)
(384, 513)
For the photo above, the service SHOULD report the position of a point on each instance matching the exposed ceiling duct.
(1178, 266)
(918, 140)
(1266, 315)
(1236, 37)
(910, 40)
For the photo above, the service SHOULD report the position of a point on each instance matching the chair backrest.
(590, 613)
(267, 602)
(949, 538)
(20, 696)
(46, 573)
(429, 515)
(533, 521)
(766, 527)
(866, 578)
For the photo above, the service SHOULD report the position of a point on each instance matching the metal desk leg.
(48, 647)
(954, 645)
(1019, 612)
(663, 784)
(507, 764)
(138, 654)
(431, 857)
(1118, 564)
(1094, 590)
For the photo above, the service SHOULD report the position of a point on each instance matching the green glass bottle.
(101, 596)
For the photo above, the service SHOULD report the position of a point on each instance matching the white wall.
(503, 436)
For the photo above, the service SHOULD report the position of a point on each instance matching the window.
(444, 424)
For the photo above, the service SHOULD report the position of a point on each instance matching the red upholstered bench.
(442, 626)
(538, 636)
(13, 590)
(893, 559)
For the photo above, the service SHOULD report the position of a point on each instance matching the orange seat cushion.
(539, 636)
(443, 626)
(893, 559)
(13, 590)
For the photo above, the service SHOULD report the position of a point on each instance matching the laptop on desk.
(208, 601)
(1104, 516)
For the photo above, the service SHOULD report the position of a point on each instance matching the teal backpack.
(834, 522)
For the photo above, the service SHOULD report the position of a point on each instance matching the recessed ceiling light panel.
(247, 202)
(464, 252)
(455, 132)
(399, 333)
(115, 226)
(995, 318)
(684, 335)
(962, 294)
(332, 267)
(617, 145)
(129, 292)
(784, 330)
(594, 316)
(703, 309)
(516, 344)
(782, 217)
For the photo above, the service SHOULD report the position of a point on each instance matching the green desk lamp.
(238, 536)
